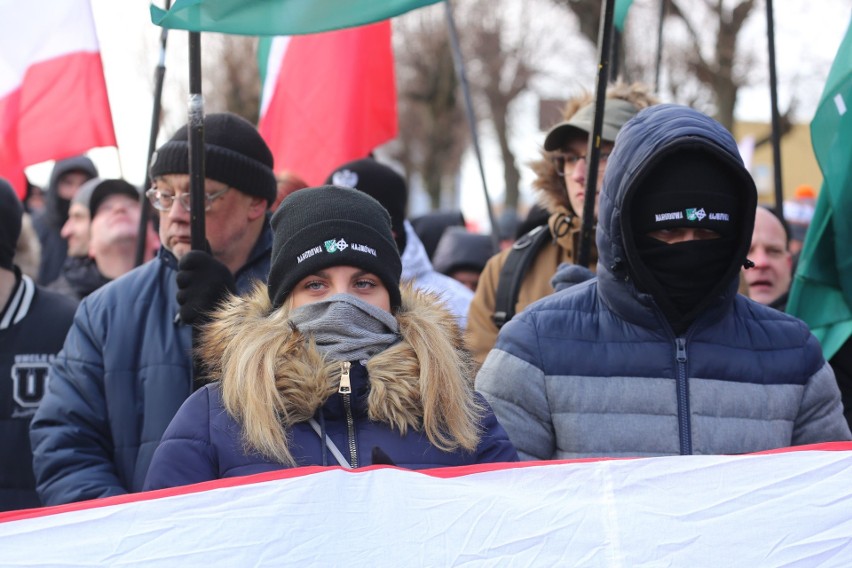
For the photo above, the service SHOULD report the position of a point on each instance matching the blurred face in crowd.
(341, 280)
(69, 183)
(771, 275)
(469, 278)
(115, 221)
(76, 230)
(227, 220)
(574, 163)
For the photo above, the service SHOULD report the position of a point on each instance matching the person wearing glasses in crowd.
(126, 365)
(560, 187)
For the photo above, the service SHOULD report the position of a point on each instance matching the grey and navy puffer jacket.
(596, 370)
(121, 376)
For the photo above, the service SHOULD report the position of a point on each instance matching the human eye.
(365, 283)
(571, 159)
(313, 284)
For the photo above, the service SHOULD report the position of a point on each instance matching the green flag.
(821, 294)
(620, 14)
(278, 17)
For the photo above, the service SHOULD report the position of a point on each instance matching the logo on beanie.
(720, 217)
(334, 245)
(695, 214)
(345, 178)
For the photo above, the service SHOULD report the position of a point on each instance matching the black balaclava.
(690, 188)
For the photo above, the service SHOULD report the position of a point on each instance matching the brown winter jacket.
(481, 333)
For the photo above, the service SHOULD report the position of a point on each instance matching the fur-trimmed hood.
(548, 186)
(424, 382)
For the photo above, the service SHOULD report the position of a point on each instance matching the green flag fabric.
(620, 14)
(821, 294)
(278, 17)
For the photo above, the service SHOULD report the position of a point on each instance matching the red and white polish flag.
(53, 97)
(328, 98)
(790, 508)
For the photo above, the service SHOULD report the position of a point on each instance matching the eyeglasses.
(163, 201)
(570, 161)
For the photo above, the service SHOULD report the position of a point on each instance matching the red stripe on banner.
(441, 473)
(334, 101)
(60, 110)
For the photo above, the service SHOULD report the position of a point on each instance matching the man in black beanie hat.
(389, 188)
(126, 366)
(33, 324)
(659, 355)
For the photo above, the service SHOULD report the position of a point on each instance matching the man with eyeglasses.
(126, 365)
(560, 187)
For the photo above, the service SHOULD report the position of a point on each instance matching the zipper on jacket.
(345, 384)
(345, 391)
(683, 414)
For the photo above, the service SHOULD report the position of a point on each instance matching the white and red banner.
(779, 509)
(53, 98)
(327, 98)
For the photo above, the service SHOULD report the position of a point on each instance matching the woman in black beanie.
(330, 363)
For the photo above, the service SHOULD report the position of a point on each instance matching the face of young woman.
(341, 280)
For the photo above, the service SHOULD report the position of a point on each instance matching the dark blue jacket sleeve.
(72, 446)
(185, 454)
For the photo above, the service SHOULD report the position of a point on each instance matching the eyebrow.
(324, 274)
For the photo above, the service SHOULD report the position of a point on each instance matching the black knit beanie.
(11, 211)
(234, 154)
(688, 189)
(327, 226)
(382, 184)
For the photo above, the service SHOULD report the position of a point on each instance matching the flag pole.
(776, 120)
(197, 201)
(587, 233)
(145, 211)
(458, 61)
(659, 61)
(196, 145)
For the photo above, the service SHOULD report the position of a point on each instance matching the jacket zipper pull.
(680, 342)
(345, 385)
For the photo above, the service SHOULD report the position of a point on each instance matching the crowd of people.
(322, 326)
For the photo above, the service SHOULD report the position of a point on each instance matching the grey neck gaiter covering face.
(346, 328)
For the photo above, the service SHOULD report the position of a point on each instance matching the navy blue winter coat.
(205, 442)
(121, 376)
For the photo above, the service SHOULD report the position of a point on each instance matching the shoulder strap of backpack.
(512, 274)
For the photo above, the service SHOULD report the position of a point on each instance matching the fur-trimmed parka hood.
(424, 382)
(548, 186)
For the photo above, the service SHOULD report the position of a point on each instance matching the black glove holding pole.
(203, 282)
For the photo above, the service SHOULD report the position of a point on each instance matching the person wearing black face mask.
(686, 224)
(659, 355)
